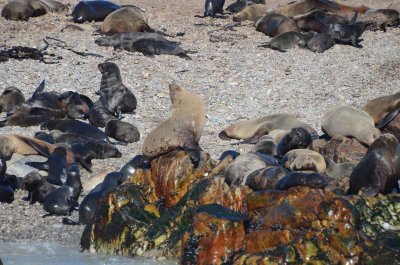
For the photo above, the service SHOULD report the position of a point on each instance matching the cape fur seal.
(320, 43)
(266, 178)
(383, 109)
(25, 9)
(114, 95)
(96, 10)
(37, 186)
(379, 170)
(297, 138)
(183, 129)
(122, 131)
(26, 117)
(98, 115)
(316, 20)
(349, 121)
(304, 6)
(252, 130)
(379, 19)
(304, 160)
(251, 12)
(126, 19)
(10, 98)
(294, 179)
(288, 40)
(213, 7)
(274, 24)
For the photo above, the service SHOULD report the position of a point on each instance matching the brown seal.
(183, 129)
(379, 108)
(304, 160)
(122, 131)
(10, 98)
(275, 24)
(296, 8)
(252, 130)
(316, 20)
(126, 19)
(25, 9)
(251, 12)
(379, 170)
(14, 143)
(349, 121)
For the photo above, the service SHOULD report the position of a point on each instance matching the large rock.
(340, 149)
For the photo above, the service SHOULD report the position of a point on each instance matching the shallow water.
(12, 253)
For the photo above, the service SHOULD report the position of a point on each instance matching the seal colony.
(284, 158)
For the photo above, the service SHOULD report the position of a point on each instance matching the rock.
(393, 127)
(217, 233)
(340, 149)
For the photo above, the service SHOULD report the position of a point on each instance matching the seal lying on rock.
(304, 159)
(96, 10)
(252, 130)
(183, 129)
(25, 9)
(295, 179)
(379, 170)
(348, 121)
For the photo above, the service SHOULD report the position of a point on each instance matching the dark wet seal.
(139, 161)
(93, 10)
(122, 131)
(265, 178)
(63, 200)
(320, 43)
(98, 115)
(37, 186)
(227, 153)
(297, 138)
(294, 179)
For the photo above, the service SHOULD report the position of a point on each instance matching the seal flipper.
(39, 90)
(194, 154)
(36, 145)
(388, 118)
(68, 221)
(38, 165)
(252, 140)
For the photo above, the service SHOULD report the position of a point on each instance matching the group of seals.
(96, 10)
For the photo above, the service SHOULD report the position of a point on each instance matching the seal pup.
(25, 9)
(10, 98)
(251, 12)
(297, 138)
(351, 122)
(37, 186)
(346, 33)
(114, 95)
(96, 10)
(379, 19)
(237, 172)
(287, 40)
(182, 129)
(26, 117)
(304, 160)
(213, 7)
(126, 19)
(274, 24)
(76, 127)
(379, 170)
(383, 109)
(265, 145)
(252, 130)
(320, 43)
(98, 115)
(56, 166)
(76, 106)
(125, 40)
(122, 131)
(294, 179)
(63, 200)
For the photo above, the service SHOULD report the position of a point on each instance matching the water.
(49, 253)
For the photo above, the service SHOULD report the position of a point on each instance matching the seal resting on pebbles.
(349, 121)
(275, 24)
(252, 130)
(183, 129)
(96, 10)
(251, 12)
(25, 9)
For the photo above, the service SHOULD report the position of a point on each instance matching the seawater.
(12, 253)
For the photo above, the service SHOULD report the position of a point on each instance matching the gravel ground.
(236, 79)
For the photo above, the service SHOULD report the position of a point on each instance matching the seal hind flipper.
(68, 221)
(39, 90)
(388, 118)
(38, 165)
